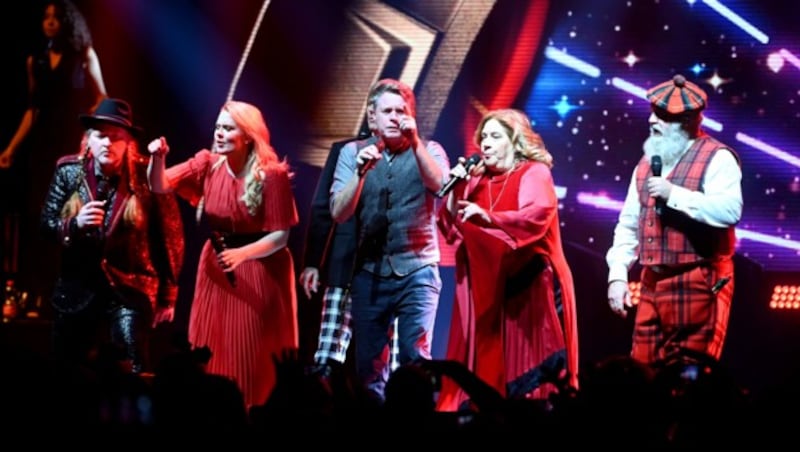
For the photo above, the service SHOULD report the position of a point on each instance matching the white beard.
(670, 146)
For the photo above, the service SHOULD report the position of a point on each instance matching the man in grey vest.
(388, 182)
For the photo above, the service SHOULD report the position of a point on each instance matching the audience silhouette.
(620, 403)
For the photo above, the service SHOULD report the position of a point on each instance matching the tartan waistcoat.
(673, 238)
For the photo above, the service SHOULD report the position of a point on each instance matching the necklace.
(493, 202)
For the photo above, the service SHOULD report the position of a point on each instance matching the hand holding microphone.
(658, 188)
(368, 157)
(91, 215)
(219, 245)
(459, 173)
(102, 194)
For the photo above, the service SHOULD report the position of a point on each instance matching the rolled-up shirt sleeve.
(345, 169)
(720, 202)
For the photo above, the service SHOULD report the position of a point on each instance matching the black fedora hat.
(112, 111)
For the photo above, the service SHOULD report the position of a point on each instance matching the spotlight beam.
(737, 20)
(768, 149)
(246, 52)
(571, 62)
(604, 202)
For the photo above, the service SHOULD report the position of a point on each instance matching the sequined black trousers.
(105, 333)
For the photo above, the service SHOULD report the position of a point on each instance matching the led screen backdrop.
(587, 100)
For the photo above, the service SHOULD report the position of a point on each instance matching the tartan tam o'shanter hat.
(678, 96)
(112, 111)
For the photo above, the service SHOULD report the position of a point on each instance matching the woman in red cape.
(506, 325)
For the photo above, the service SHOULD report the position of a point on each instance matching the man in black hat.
(122, 245)
(678, 220)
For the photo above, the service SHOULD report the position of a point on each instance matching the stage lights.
(785, 296)
(781, 290)
(635, 289)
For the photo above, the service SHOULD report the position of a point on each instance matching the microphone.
(103, 192)
(655, 165)
(468, 165)
(366, 166)
(362, 170)
(218, 243)
(103, 189)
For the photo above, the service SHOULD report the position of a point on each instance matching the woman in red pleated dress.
(245, 306)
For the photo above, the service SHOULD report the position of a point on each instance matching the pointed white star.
(715, 80)
(631, 59)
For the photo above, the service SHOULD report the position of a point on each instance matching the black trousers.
(107, 332)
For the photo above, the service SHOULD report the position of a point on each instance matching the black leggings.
(82, 338)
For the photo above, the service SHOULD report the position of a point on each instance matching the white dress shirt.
(718, 205)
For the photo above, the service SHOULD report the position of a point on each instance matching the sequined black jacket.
(143, 259)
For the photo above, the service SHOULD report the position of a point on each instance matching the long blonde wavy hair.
(261, 154)
(528, 144)
(132, 214)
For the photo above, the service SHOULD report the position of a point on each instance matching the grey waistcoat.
(397, 218)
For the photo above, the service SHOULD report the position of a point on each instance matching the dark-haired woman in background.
(64, 81)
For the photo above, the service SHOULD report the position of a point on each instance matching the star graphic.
(563, 107)
(716, 81)
(631, 59)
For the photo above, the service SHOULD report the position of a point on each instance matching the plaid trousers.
(335, 330)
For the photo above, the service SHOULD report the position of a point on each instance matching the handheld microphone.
(103, 192)
(655, 165)
(468, 165)
(362, 170)
(218, 243)
(103, 189)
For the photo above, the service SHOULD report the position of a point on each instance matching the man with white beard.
(678, 219)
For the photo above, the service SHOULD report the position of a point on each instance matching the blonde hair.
(133, 172)
(74, 203)
(527, 143)
(261, 156)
